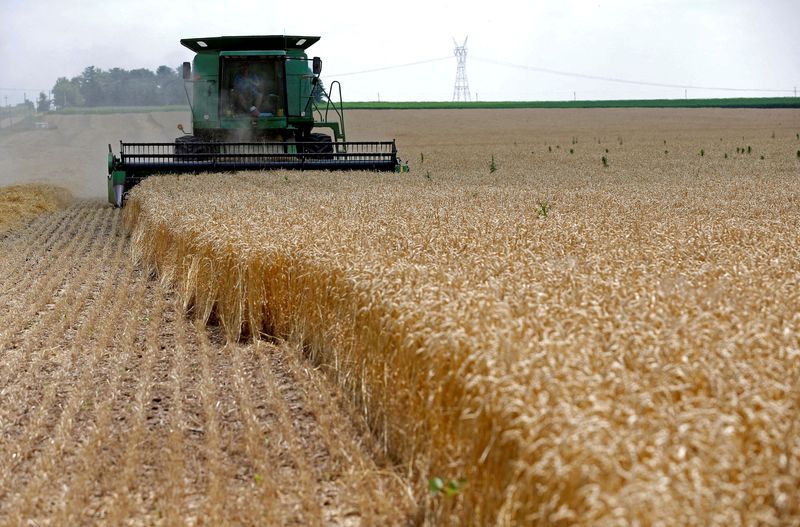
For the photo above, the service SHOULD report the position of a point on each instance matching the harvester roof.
(250, 42)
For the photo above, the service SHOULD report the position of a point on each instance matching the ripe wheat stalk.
(630, 355)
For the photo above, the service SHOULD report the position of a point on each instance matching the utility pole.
(8, 111)
(461, 87)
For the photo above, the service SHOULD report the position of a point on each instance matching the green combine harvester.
(254, 103)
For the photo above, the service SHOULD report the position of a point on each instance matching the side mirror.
(187, 71)
(316, 65)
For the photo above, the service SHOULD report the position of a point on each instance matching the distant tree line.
(118, 87)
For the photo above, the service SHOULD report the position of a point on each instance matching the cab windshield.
(252, 86)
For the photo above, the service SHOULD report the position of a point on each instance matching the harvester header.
(257, 103)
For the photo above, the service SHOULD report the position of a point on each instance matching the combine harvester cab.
(254, 107)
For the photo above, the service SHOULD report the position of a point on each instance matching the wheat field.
(514, 333)
(23, 202)
(591, 324)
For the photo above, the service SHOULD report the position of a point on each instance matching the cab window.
(252, 86)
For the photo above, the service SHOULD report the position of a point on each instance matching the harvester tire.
(320, 144)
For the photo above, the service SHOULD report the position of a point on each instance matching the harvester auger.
(254, 107)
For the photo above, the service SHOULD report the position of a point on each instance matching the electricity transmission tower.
(461, 88)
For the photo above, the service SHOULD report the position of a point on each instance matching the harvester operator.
(248, 91)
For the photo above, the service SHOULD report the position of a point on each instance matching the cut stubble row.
(118, 409)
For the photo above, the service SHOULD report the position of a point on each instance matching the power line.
(23, 89)
(623, 81)
(384, 68)
(571, 74)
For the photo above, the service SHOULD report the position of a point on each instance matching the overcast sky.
(703, 43)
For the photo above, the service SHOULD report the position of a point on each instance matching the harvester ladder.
(331, 107)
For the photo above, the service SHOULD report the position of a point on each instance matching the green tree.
(142, 89)
(91, 84)
(43, 103)
(319, 91)
(115, 87)
(121, 87)
(169, 85)
(67, 93)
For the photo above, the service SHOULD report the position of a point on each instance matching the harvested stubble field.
(117, 410)
(558, 342)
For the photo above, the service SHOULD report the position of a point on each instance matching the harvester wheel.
(321, 144)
